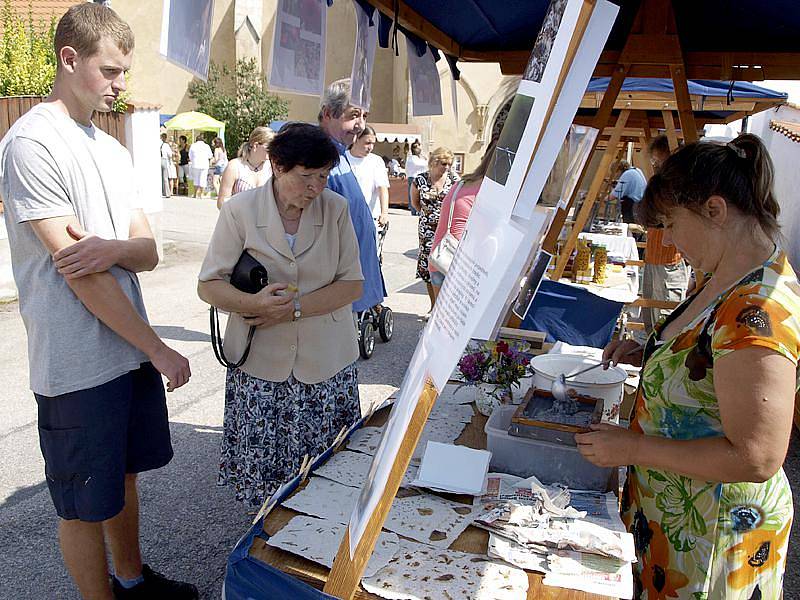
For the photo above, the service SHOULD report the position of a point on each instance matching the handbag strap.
(453, 204)
(216, 341)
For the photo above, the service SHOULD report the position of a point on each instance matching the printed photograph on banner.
(565, 101)
(544, 41)
(298, 47)
(426, 89)
(186, 34)
(531, 286)
(363, 59)
(581, 142)
(566, 171)
(510, 138)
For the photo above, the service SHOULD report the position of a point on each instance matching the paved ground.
(188, 524)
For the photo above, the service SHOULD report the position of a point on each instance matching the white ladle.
(559, 387)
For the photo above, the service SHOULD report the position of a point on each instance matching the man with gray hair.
(343, 122)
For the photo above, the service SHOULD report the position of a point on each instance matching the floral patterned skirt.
(269, 427)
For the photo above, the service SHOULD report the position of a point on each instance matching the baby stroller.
(378, 318)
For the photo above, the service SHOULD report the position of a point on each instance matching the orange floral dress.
(703, 539)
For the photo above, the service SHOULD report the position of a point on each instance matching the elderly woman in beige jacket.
(299, 385)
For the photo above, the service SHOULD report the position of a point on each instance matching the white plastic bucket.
(608, 384)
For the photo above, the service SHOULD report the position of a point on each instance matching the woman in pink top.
(465, 195)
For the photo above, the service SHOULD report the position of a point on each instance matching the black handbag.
(248, 276)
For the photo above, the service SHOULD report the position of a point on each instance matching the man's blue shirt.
(343, 181)
(631, 184)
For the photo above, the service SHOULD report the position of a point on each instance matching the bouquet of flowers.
(497, 363)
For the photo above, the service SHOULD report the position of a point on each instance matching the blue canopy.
(711, 25)
(697, 87)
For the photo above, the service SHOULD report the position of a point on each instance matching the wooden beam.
(644, 164)
(549, 244)
(591, 196)
(669, 126)
(681, 86)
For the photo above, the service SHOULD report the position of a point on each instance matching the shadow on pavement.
(172, 332)
(189, 525)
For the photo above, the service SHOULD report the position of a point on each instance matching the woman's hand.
(617, 350)
(275, 305)
(609, 445)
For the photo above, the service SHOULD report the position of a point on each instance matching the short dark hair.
(302, 144)
(183, 137)
(659, 144)
(740, 171)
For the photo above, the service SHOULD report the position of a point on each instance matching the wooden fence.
(13, 107)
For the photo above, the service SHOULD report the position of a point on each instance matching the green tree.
(27, 59)
(238, 98)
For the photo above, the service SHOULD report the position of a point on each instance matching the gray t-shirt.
(50, 166)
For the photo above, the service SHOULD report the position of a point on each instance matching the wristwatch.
(297, 312)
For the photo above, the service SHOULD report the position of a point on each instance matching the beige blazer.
(313, 349)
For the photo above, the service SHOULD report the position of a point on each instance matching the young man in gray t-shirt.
(77, 241)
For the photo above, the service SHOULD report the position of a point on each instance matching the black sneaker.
(155, 587)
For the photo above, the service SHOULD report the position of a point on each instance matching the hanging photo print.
(363, 60)
(544, 41)
(426, 89)
(510, 138)
(529, 289)
(186, 34)
(298, 47)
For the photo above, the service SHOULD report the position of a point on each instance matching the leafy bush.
(238, 98)
(27, 59)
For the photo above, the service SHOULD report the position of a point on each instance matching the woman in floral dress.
(427, 192)
(706, 499)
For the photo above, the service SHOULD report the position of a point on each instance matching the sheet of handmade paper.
(319, 540)
(419, 572)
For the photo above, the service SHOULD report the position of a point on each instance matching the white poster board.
(426, 89)
(298, 47)
(363, 60)
(186, 34)
(484, 276)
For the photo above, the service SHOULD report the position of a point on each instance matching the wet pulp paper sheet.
(366, 440)
(298, 47)
(363, 59)
(318, 540)
(517, 554)
(424, 518)
(451, 411)
(429, 519)
(419, 572)
(456, 393)
(590, 573)
(351, 469)
(325, 499)
(455, 469)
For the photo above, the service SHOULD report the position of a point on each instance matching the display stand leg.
(346, 572)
